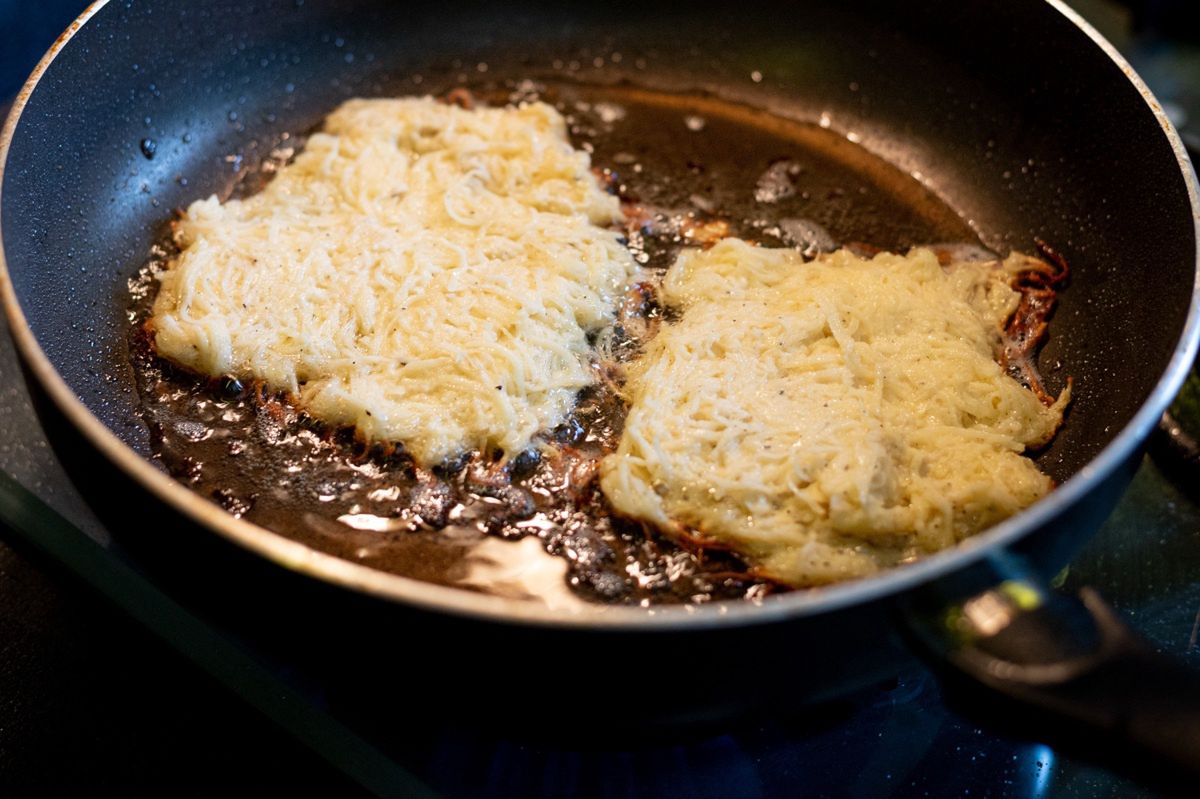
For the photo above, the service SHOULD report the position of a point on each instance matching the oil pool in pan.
(678, 162)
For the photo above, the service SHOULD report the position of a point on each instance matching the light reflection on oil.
(520, 570)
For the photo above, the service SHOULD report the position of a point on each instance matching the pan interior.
(684, 161)
(977, 140)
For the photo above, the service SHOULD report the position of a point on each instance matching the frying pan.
(1013, 112)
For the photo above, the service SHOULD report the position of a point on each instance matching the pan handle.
(1065, 670)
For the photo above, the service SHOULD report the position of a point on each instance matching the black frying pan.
(1015, 114)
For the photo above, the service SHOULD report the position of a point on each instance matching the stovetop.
(897, 739)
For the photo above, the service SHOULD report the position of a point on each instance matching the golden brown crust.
(460, 97)
(1026, 330)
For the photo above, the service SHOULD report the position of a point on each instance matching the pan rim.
(302, 559)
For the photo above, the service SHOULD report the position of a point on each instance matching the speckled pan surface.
(960, 97)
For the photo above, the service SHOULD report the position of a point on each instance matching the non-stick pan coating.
(1006, 110)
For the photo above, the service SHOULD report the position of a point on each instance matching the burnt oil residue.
(773, 180)
(688, 170)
